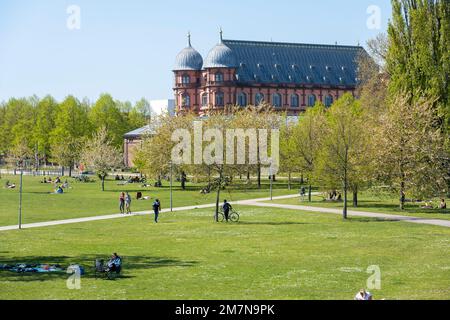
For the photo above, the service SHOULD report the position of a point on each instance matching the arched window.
(185, 79)
(259, 99)
(276, 100)
(185, 100)
(294, 101)
(218, 77)
(328, 101)
(242, 99)
(220, 99)
(204, 99)
(311, 100)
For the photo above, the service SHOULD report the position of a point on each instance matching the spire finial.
(189, 38)
(221, 34)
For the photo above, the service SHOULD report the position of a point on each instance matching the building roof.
(220, 56)
(188, 59)
(274, 62)
(138, 133)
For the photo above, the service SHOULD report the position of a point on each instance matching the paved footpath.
(262, 202)
(121, 216)
(435, 222)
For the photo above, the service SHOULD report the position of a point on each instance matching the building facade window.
(276, 100)
(218, 77)
(311, 100)
(204, 100)
(220, 99)
(295, 100)
(185, 79)
(185, 100)
(242, 99)
(259, 99)
(328, 101)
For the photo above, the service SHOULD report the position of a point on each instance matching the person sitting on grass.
(59, 190)
(114, 263)
(443, 205)
(9, 185)
(363, 295)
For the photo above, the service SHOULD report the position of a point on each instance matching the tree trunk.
(259, 176)
(70, 171)
(310, 193)
(345, 196)
(289, 181)
(216, 217)
(355, 197)
(402, 195)
(103, 183)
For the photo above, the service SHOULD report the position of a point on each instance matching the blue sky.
(127, 48)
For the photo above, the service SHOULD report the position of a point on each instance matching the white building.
(159, 107)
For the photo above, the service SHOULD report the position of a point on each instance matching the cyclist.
(226, 209)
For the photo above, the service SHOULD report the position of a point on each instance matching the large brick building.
(288, 76)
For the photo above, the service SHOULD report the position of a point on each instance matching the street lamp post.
(271, 183)
(20, 195)
(171, 186)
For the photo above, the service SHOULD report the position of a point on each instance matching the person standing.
(128, 203)
(156, 209)
(122, 203)
(226, 209)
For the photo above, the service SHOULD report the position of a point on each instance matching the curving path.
(254, 202)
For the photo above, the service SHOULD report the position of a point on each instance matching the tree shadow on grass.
(130, 264)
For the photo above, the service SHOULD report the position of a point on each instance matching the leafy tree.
(106, 113)
(100, 154)
(343, 145)
(418, 58)
(308, 137)
(44, 125)
(410, 151)
(71, 128)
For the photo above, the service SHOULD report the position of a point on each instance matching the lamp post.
(171, 186)
(271, 183)
(21, 164)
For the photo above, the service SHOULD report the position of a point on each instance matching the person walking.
(122, 202)
(156, 209)
(226, 209)
(128, 203)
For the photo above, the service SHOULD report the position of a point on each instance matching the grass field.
(279, 254)
(373, 203)
(86, 199)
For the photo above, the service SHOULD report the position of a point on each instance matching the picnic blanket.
(37, 268)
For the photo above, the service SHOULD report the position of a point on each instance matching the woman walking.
(122, 203)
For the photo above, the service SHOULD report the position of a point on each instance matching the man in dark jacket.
(156, 209)
(226, 209)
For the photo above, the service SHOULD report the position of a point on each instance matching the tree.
(106, 113)
(418, 58)
(308, 136)
(289, 160)
(343, 145)
(71, 128)
(100, 154)
(44, 124)
(411, 156)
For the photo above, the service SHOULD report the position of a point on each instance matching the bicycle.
(233, 216)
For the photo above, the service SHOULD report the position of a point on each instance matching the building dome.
(188, 59)
(220, 56)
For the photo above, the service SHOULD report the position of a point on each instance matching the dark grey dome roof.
(221, 56)
(188, 59)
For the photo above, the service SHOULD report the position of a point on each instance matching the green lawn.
(373, 203)
(271, 254)
(86, 199)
